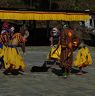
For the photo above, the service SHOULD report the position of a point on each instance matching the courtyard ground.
(47, 83)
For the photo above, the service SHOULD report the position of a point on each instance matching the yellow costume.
(54, 53)
(83, 58)
(12, 58)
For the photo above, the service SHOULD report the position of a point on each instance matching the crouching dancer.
(55, 50)
(83, 58)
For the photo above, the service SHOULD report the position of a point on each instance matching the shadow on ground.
(60, 72)
(56, 71)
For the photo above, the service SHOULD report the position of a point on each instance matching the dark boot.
(15, 72)
(66, 73)
(7, 71)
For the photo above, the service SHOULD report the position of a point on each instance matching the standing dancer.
(66, 58)
(13, 61)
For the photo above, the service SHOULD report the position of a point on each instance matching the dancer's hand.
(51, 45)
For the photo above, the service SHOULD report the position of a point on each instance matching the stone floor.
(47, 83)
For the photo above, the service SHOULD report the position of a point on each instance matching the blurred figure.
(13, 61)
(5, 33)
(55, 50)
(25, 33)
(83, 58)
(66, 42)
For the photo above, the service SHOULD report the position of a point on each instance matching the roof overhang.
(37, 15)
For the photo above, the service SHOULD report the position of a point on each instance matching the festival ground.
(47, 83)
